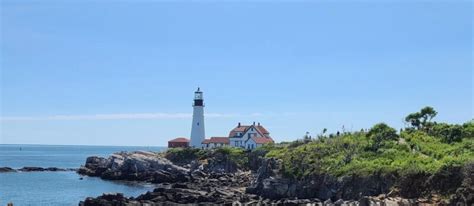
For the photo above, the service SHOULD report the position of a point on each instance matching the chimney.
(259, 124)
(253, 123)
(238, 125)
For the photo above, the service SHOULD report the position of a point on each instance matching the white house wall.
(250, 144)
(240, 142)
(249, 131)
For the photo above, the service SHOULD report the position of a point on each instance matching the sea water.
(58, 188)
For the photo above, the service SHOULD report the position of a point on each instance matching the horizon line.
(119, 116)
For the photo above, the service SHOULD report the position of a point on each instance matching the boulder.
(107, 199)
(134, 166)
(7, 169)
(32, 169)
(55, 169)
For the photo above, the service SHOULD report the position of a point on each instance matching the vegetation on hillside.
(186, 155)
(424, 147)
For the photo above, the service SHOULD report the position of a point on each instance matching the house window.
(236, 143)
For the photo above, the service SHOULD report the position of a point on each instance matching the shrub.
(450, 132)
(380, 133)
(237, 155)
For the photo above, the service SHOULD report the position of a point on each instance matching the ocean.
(58, 188)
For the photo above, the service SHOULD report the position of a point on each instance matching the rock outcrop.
(270, 183)
(465, 194)
(134, 166)
(203, 188)
(220, 163)
(219, 180)
(7, 169)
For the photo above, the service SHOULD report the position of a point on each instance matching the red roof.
(262, 140)
(262, 129)
(179, 139)
(241, 129)
(223, 140)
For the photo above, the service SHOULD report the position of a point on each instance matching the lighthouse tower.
(197, 129)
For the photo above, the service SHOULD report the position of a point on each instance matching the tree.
(414, 119)
(381, 133)
(427, 114)
(422, 119)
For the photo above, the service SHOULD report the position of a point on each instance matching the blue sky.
(123, 73)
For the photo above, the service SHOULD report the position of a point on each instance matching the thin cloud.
(123, 116)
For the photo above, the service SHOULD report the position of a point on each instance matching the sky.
(124, 72)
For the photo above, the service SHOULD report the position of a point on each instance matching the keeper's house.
(244, 136)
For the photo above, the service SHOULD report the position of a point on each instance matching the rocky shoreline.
(219, 180)
(36, 169)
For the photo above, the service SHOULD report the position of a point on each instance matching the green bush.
(235, 154)
(185, 155)
(448, 133)
(380, 134)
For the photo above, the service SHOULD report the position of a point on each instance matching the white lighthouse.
(197, 129)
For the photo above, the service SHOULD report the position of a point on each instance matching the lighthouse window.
(198, 123)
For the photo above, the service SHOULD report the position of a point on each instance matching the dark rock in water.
(55, 169)
(32, 169)
(107, 199)
(48, 169)
(7, 169)
(134, 166)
